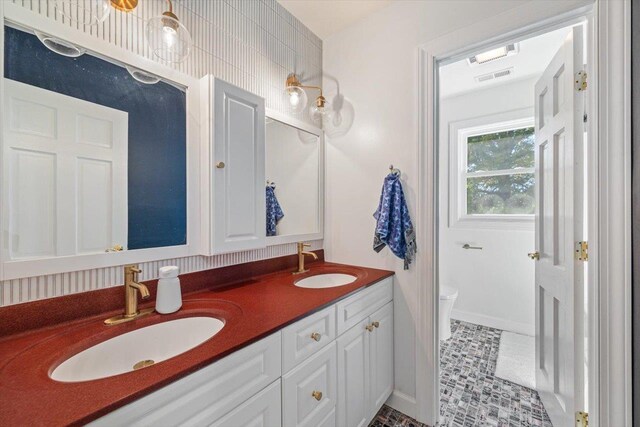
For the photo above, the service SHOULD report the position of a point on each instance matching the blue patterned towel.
(393, 226)
(274, 212)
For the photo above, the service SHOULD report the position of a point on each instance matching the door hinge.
(582, 419)
(581, 81)
(582, 251)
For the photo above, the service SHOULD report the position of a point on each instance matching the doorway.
(511, 209)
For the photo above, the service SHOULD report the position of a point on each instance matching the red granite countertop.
(251, 306)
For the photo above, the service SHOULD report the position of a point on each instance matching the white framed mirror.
(100, 167)
(294, 186)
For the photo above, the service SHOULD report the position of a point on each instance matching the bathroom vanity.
(286, 355)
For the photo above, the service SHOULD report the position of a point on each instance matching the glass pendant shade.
(320, 111)
(168, 39)
(86, 12)
(295, 98)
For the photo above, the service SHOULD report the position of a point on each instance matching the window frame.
(459, 132)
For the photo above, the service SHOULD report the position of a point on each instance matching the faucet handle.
(133, 269)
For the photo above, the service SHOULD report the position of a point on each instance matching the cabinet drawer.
(317, 374)
(206, 395)
(263, 409)
(358, 307)
(307, 336)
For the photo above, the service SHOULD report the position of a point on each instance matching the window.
(492, 174)
(499, 176)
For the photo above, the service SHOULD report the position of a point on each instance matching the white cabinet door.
(65, 162)
(381, 356)
(262, 410)
(235, 160)
(309, 391)
(353, 409)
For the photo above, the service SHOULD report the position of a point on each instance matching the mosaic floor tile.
(470, 394)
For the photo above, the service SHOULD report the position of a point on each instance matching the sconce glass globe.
(168, 39)
(320, 111)
(85, 12)
(295, 98)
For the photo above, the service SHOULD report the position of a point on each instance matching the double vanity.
(263, 346)
(105, 170)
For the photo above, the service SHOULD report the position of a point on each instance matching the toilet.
(448, 297)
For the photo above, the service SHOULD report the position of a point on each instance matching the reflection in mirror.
(94, 160)
(293, 174)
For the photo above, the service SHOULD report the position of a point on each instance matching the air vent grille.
(495, 75)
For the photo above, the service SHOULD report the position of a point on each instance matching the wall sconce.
(296, 98)
(168, 39)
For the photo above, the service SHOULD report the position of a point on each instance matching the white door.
(353, 406)
(65, 171)
(559, 220)
(238, 163)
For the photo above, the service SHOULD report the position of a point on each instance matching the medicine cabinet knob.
(220, 165)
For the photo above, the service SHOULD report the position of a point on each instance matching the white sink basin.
(320, 281)
(142, 347)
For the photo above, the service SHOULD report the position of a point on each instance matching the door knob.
(317, 394)
(534, 255)
(220, 165)
(369, 328)
(376, 324)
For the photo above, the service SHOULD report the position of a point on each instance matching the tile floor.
(470, 394)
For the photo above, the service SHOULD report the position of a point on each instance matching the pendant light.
(168, 39)
(85, 12)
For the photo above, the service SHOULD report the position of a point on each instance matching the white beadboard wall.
(253, 44)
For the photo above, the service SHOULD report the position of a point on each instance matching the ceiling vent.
(495, 75)
(493, 54)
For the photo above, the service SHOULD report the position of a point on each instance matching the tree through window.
(500, 173)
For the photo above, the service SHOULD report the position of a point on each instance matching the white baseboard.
(402, 402)
(494, 322)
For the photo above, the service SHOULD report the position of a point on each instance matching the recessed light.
(493, 54)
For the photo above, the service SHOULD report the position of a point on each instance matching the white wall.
(252, 44)
(375, 63)
(495, 284)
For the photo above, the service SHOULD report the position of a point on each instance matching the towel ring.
(394, 170)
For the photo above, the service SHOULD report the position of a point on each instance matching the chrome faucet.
(301, 254)
(131, 289)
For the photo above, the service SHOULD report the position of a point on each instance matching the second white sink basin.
(320, 281)
(137, 349)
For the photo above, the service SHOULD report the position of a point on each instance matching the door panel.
(354, 406)
(238, 162)
(559, 196)
(381, 356)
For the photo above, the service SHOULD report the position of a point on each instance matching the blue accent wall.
(157, 176)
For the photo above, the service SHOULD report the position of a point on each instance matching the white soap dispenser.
(169, 297)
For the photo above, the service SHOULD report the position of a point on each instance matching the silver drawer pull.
(316, 336)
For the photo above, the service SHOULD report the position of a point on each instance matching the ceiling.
(327, 17)
(534, 55)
